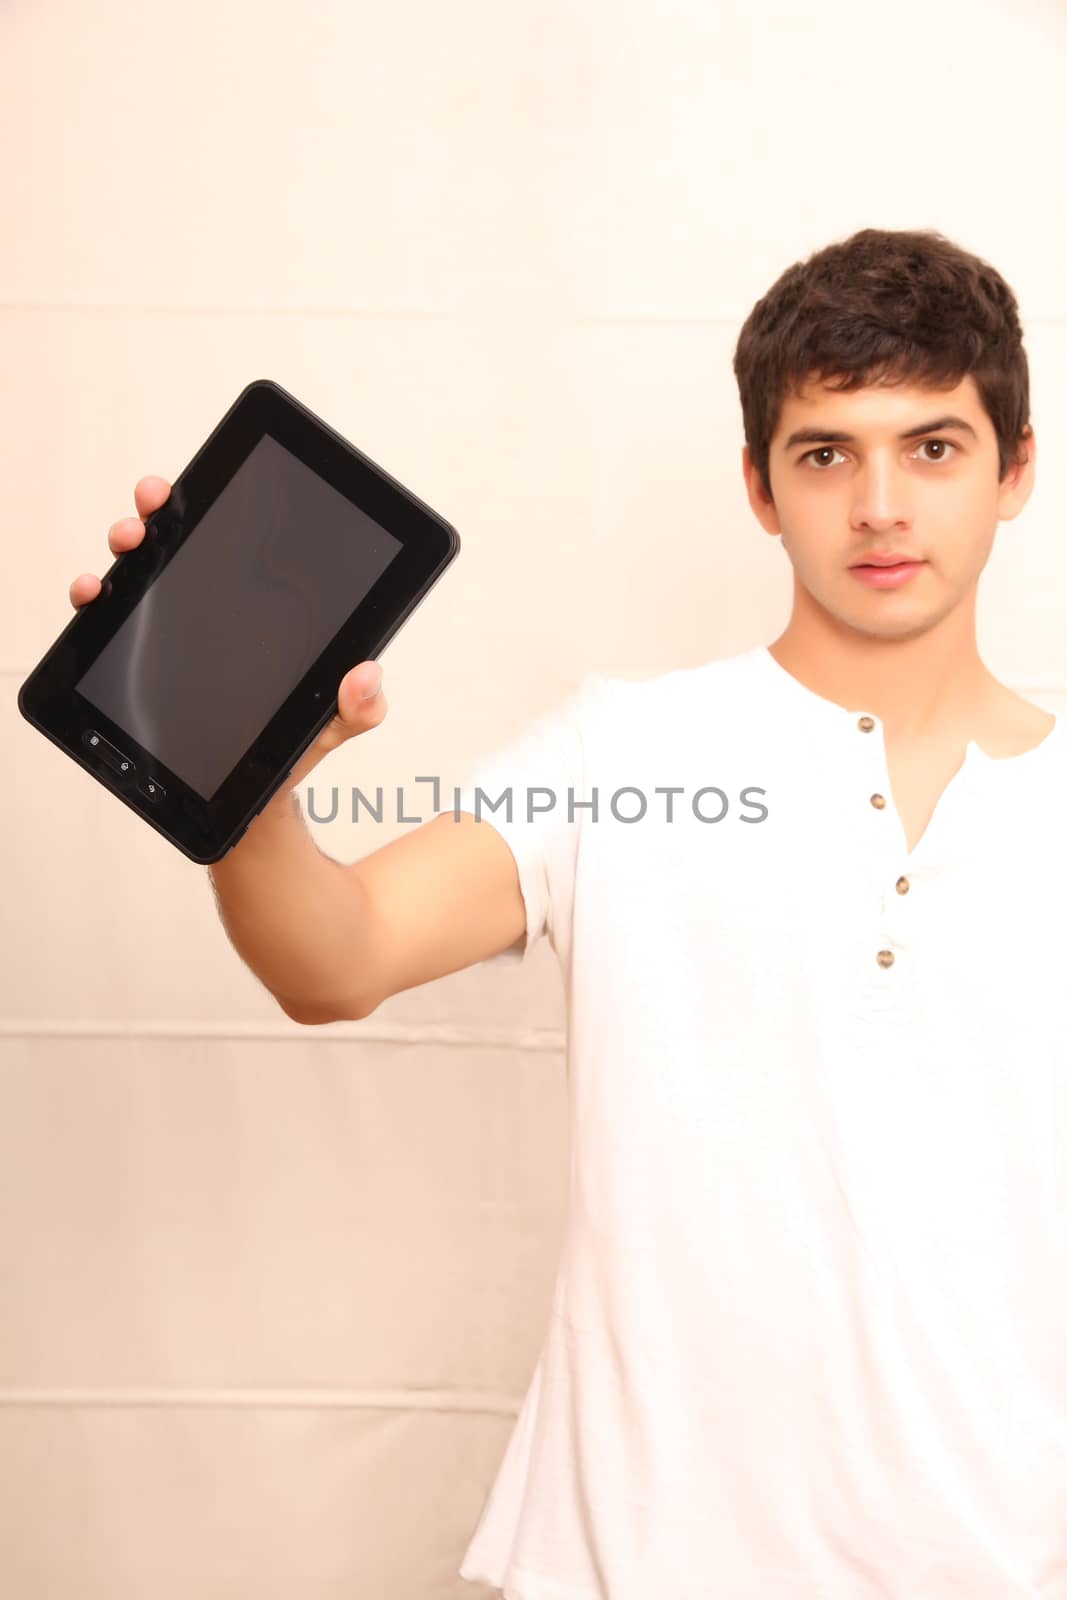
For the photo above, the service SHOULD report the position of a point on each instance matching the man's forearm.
(294, 916)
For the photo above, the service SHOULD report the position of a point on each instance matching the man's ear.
(1018, 482)
(758, 499)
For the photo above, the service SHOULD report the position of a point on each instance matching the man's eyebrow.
(832, 436)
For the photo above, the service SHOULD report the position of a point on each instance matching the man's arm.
(331, 942)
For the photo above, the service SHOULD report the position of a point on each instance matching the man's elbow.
(316, 1014)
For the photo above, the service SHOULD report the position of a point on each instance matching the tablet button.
(152, 790)
(107, 752)
(122, 764)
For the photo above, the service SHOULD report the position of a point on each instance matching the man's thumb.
(358, 690)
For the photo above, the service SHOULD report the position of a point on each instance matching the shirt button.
(886, 958)
(865, 724)
(903, 886)
(878, 801)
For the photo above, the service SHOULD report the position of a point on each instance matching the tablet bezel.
(204, 830)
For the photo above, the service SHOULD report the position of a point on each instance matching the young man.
(809, 1332)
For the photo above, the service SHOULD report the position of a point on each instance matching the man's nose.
(882, 495)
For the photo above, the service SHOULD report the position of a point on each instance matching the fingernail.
(374, 687)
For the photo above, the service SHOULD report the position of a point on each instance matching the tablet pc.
(212, 656)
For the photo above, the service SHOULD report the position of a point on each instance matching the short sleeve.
(530, 790)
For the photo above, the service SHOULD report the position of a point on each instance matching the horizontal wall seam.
(475, 1402)
(237, 309)
(477, 1036)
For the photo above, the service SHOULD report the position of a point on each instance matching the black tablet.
(212, 656)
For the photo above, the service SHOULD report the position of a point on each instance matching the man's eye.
(831, 450)
(946, 444)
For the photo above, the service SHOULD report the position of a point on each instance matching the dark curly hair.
(884, 307)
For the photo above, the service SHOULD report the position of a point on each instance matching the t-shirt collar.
(817, 709)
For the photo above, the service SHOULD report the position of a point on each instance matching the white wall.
(269, 1296)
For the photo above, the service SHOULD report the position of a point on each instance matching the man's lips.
(894, 559)
(880, 574)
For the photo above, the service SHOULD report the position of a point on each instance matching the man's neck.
(928, 690)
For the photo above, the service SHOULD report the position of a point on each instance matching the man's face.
(933, 496)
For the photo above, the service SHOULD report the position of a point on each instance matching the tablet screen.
(238, 615)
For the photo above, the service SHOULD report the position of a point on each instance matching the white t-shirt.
(808, 1339)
